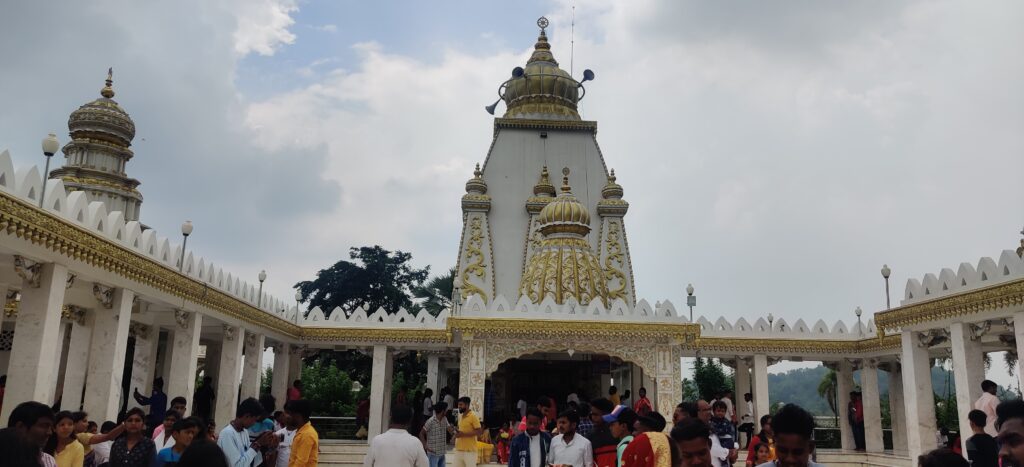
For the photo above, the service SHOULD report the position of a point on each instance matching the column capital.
(28, 270)
(103, 294)
(250, 339)
(181, 318)
(229, 332)
(932, 337)
(138, 330)
(979, 330)
(73, 313)
(71, 280)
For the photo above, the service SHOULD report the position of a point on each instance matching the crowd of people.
(600, 433)
(258, 436)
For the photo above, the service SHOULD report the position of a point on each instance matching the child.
(504, 438)
(764, 454)
(723, 427)
(183, 431)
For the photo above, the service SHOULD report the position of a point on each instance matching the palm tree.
(436, 293)
(828, 390)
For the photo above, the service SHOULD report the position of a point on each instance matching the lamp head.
(457, 283)
(858, 312)
(263, 276)
(50, 145)
(771, 318)
(886, 271)
(186, 228)
(689, 289)
(298, 295)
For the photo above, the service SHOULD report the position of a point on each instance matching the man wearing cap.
(620, 424)
(530, 448)
(605, 446)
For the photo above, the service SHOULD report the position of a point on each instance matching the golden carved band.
(559, 329)
(532, 124)
(975, 301)
(740, 345)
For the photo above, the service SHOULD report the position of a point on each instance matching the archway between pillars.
(481, 357)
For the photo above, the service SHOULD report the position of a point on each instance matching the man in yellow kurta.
(306, 444)
(465, 438)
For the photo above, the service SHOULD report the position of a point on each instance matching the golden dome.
(103, 119)
(543, 90)
(611, 190)
(564, 266)
(565, 213)
(544, 186)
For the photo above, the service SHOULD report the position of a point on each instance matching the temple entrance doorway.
(557, 375)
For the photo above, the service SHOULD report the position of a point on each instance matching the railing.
(828, 438)
(335, 427)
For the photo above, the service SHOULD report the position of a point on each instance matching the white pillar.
(742, 377)
(920, 402)
(431, 375)
(872, 406)
(147, 337)
(184, 355)
(252, 372)
(107, 354)
(1018, 333)
(60, 360)
(380, 390)
(968, 372)
(281, 377)
(844, 379)
(897, 411)
(228, 375)
(78, 361)
(294, 366)
(760, 388)
(31, 368)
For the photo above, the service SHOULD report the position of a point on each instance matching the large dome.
(543, 90)
(103, 120)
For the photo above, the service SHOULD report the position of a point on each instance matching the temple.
(544, 300)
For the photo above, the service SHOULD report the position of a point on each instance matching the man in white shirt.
(428, 402)
(285, 436)
(987, 403)
(720, 457)
(396, 447)
(568, 449)
(730, 411)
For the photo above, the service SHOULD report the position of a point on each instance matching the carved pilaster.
(229, 332)
(28, 270)
(181, 318)
(104, 295)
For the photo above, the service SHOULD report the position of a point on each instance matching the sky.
(774, 154)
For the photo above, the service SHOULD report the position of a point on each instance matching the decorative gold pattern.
(475, 258)
(575, 331)
(614, 261)
(743, 345)
(347, 334)
(968, 303)
(89, 182)
(537, 124)
(30, 223)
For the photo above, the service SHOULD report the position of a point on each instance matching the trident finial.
(108, 90)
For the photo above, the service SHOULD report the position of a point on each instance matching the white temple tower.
(95, 159)
(542, 131)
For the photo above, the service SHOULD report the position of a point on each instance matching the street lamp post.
(186, 230)
(50, 147)
(859, 327)
(691, 299)
(771, 319)
(885, 273)
(298, 298)
(259, 299)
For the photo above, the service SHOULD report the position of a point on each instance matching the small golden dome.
(612, 190)
(565, 213)
(543, 90)
(103, 119)
(477, 185)
(544, 186)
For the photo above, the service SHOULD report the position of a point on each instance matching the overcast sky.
(774, 154)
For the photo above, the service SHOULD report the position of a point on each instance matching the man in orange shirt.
(306, 444)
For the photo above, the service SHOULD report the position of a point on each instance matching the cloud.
(262, 26)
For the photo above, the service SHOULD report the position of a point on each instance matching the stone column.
(228, 375)
(760, 388)
(920, 402)
(107, 353)
(897, 412)
(184, 355)
(668, 377)
(844, 380)
(60, 358)
(252, 372)
(872, 406)
(78, 359)
(147, 337)
(432, 375)
(380, 390)
(968, 373)
(281, 377)
(31, 368)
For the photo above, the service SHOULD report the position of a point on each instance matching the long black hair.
(51, 444)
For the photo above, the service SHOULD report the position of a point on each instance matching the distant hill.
(801, 387)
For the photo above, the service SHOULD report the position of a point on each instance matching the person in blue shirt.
(183, 432)
(234, 438)
(157, 403)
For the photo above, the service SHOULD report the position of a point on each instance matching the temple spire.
(108, 90)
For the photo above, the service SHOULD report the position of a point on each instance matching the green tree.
(436, 294)
(328, 388)
(828, 389)
(265, 381)
(375, 278)
(710, 378)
